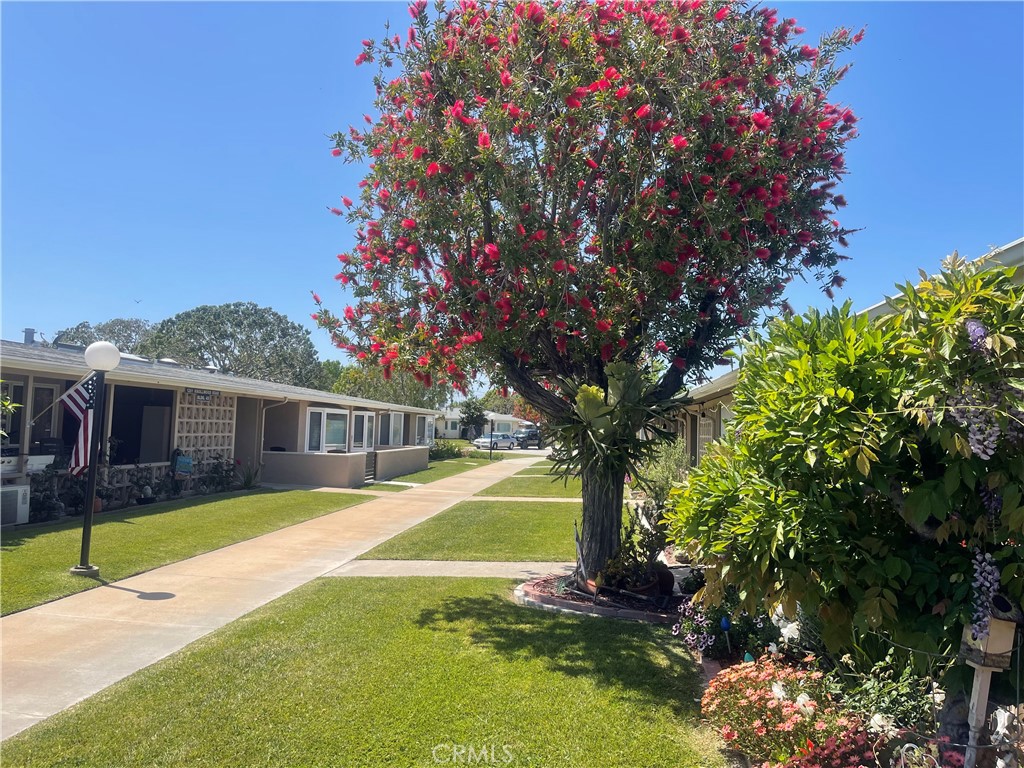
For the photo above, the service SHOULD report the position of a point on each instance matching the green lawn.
(488, 530)
(35, 561)
(368, 673)
(436, 470)
(544, 485)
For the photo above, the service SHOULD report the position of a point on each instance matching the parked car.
(495, 440)
(528, 436)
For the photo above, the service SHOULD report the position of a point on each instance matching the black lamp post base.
(92, 571)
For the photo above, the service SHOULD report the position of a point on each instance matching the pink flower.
(506, 78)
(409, 223)
(721, 13)
(336, 211)
(483, 140)
(347, 201)
(316, 297)
(336, 152)
(761, 121)
(418, 152)
(433, 169)
(622, 93)
(643, 111)
(679, 142)
(661, 346)
(808, 53)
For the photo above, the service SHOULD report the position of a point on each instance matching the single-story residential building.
(156, 408)
(704, 419)
(450, 426)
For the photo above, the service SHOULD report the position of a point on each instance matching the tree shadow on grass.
(641, 659)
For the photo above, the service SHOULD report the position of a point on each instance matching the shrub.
(445, 449)
(873, 468)
(853, 749)
(724, 631)
(770, 710)
(891, 690)
(492, 455)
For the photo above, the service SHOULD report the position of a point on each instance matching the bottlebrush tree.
(555, 189)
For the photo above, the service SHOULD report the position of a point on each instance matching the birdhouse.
(993, 651)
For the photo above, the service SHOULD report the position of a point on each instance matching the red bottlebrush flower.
(592, 163)
(336, 211)
(482, 295)
(506, 78)
(418, 152)
(361, 58)
(721, 13)
(762, 253)
(433, 169)
(643, 111)
(492, 251)
(808, 53)
(346, 201)
(572, 102)
(679, 363)
(559, 266)
(336, 152)
(560, 325)
(612, 271)
(483, 140)
(409, 223)
(679, 142)
(680, 35)
(612, 73)
(603, 326)
(423, 361)
(535, 13)
(666, 266)
(350, 314)
(622, 93)
(804, 237)
(416, 8)
(660, 346)
(761, 121)
(728, 152)
(315, 318)
(428, 79)
(705, 179)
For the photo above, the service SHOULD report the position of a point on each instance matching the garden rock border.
(529, 595)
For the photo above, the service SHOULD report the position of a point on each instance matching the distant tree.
(472, 410)
(495, 400)
(401, 388)
(523, 410)
(240, 338)
(330, 370)
(125, 333)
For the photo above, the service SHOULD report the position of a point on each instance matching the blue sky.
(159, 156)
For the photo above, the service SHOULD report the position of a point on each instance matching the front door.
(363, 426)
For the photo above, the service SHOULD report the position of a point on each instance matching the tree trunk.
(602, 515)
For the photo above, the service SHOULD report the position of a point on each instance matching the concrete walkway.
(60, 653)
(474, 568)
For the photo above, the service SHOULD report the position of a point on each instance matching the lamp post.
(101, 356)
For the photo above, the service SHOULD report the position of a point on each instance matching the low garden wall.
(393, 462)
(333, 470)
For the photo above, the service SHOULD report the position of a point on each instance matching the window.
(326, 431)
(362, 431)
(453, 426)
(11, 423)
(397, 428)
(424, 430)
(43, 411)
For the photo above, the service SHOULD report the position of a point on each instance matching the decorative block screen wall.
(205, 430)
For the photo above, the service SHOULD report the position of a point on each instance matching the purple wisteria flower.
(977, 333)
(985, 584)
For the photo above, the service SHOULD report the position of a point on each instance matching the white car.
(495, 440)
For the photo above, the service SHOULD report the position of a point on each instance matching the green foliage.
(472, 415)
(725, 631)
(240, 338)
(125, 333)
(665, 470)
(445, 449)
(850, 480)
(7, 407)
(359, 380)
(892, 689)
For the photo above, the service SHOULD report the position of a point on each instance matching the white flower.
(938, 695)
(779, 691)
(773, 648)
(778, 617)
(880, 724)
(791, 631)
(803, 701)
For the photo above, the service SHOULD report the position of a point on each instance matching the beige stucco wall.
(392, 462)
(333, 470)
(282, 425)
(247, 425)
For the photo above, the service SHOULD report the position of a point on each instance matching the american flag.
(79, 401)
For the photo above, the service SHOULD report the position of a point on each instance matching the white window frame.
(369, 430)
(428, 430)
(399, 420)
(323, 429)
